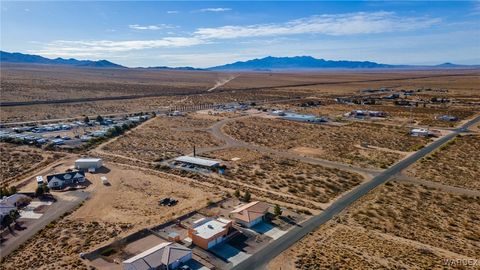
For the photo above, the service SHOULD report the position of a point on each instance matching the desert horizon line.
(445, 63)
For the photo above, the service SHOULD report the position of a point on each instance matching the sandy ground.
(133, 196)
(17, 161)
(336, 143)
(377, 232)
(128, 204)
(456, 163)
(302, 180)
(163, 138)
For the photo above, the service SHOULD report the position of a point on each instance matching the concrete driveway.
(268, 230)
(229, 253)
(29, 211)
(194, 265)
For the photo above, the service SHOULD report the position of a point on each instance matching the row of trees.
(246, 197)
(100, 118)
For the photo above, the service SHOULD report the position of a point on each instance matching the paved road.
(53, 212)
(260, 259)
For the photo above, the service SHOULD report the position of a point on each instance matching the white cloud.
(150, 27)
(330, 24)
(214, 9)
(173, 11)
(66, 48)
(336, 25)
(476, 8)
(202, 60)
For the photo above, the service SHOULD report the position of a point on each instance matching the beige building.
(250, 214)
(207, 232)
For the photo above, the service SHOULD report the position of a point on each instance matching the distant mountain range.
(6, 57)
(297, 62)
(172, 68)
(263, 64)
(308, 62)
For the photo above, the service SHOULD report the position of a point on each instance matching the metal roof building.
(87, 163)
(198, 161)
(303, 117)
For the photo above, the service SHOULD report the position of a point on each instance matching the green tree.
(118, 130)
(49, 146)
(3, 191)
(247, 196)
(46, 189)
(86, 119)
(7, 220)
(99, 119)
(39, 191)
(277, 211)
(237, 193)
(12, 190)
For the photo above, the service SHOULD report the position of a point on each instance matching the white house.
(61, 180)
(166, 255)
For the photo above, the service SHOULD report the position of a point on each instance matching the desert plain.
(422, 218)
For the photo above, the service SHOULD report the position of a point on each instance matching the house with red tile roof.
(250, 214)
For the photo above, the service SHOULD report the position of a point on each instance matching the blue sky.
(203, 34)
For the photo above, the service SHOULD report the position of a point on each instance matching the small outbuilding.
(88, 163)
(104, 180)
(39, 180)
